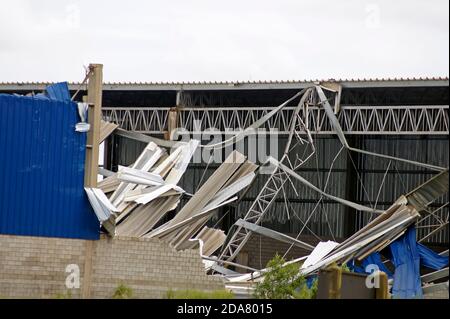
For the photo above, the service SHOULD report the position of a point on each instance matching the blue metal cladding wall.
(42, 170)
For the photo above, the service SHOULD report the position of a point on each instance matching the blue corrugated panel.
(58, 91)
(42, 170)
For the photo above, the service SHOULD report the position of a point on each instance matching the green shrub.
(123, 292)
(198, 294)
(283, 282)
(346, 268)
(307, 293)
(64, 295)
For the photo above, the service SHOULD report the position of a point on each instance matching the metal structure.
(276, 182)
(260, 206)
(356, 120)
(41, 179)
(279, 177)
(408, 117)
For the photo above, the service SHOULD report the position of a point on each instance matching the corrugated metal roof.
(261, 84)
(435, 78)
(42, 170)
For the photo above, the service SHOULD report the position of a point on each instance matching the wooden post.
(95, 82)
(86, 289)
(335, 282)
(337, 87)
(172, 122)
(382, 292)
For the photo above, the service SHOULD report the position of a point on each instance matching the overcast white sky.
(51, 40)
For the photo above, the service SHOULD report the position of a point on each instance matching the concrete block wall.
(443, 294)
(35, 267)
(150, 267)
(32, 267)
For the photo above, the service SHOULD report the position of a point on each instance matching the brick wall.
(35, 267)
(443, 294)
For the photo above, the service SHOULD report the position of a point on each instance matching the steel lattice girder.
(237, 238)
(357, 120)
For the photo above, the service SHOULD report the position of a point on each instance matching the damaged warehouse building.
(221, 177)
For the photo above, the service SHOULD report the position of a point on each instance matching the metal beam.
(269, 192)
(273, 234)
(105, 172)
(435, 275)
(229, 263)
(341, 135)
(143, 138)
(354, 120)
(266, 197)
(224, 271)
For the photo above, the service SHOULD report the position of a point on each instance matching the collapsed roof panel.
(148, 190)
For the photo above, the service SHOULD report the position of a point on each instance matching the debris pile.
(140, 196)
(136, 200)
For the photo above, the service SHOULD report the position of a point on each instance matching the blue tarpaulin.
(407, 255)
(372, 259)
(310, 281)
(430, 259)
